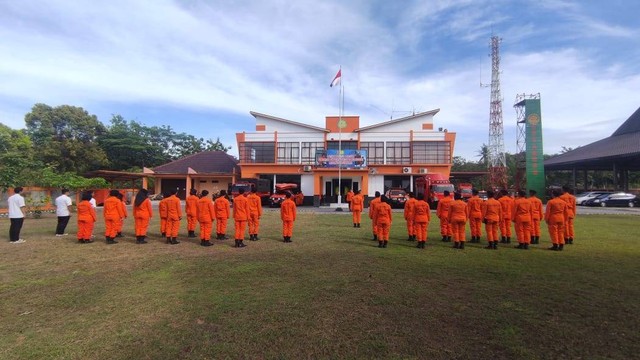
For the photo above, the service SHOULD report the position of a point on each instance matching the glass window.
(257, 152)
(398, 152)
(375, 152)
(288, 153)
(431, 152)
(346, 145)
(309, 152)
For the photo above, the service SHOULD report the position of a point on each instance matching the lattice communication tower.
(497, 160)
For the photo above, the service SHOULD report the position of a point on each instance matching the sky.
(200, 66)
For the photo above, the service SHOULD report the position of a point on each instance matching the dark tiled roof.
(206, 162)
(622, 146)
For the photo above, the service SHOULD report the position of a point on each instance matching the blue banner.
(350, 159)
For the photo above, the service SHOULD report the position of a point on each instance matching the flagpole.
(340, 110)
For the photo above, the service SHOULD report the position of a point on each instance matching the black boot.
(526, 246)
(241, 244)
(380, 244)
(358, 224)
(519, 246)
(554, 247)
(495, 245)
(224, 236)
(419, 246)
(168, 240)
(413, 237)
(489, 245)
(192, 234)
(164, 234)
(537, 239)
(444, 238)
(354, 225)
(174, 241)
(375, 237)
(571, 241)
(508, 239)
(384, 243)
(111, 240)
(255, 237)
(205, 243)
(503, 240)
(449, 238)
(88, 241)
(461, 245)
(560, 247)
(456, 245)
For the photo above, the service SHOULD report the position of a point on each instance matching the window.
(431, 152)
(398, 152)
(346, 145)
(257, 152)
(309, 152)
(288, 153)
(375, 152)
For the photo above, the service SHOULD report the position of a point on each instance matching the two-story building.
(371, 158)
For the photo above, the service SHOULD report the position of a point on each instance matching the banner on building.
(348, 159)
(535, 159)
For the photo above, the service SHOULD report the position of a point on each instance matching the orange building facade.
(325, 162)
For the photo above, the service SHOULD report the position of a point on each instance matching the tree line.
(59, 145)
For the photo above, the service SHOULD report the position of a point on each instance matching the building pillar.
(573, 179)
(615, 177)
(187, 187)
(145, 182)
(157, 187)
(586, 178)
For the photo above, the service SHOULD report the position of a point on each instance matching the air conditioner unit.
(373, 171)
(306, 168)
(423, 171)
(407, 170)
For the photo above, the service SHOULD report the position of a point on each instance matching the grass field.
(329, 294)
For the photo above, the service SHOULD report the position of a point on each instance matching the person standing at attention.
(536, 215)
(174, 215)
(349, 198)
(372, 209)
(505, 223)
(15, 203)
(556, 214)
(142, 213)
(113, 215)
(422, 216)
(571, 208)
(382, 217)
(409, 210)
(240, 217)
(442, 211)
(288, 216)
(62, 211)
(458, 220)
(191, 208)
(123, 206)
(357, 204)
(206, 216)
(223, 212)
(86, 219)
(491, 215)
(522, 217)
(474, 213)
(255, 213)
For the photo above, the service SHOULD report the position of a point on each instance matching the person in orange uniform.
(474, 213)
(142, 213)
(349, 198)
(86, 219)
(357, 204)
(372, 210)
(255, 213)
(571, 207)
(123, 204)
(162, 210)
(223, 212)
(522, 216)
(458, 220)
(442, 211)
(382, 218)
(491, 215)
(536, 215)
(409, 214)
(555, 215)
(288, 216)
(298, 198)
(174, 215)
(206, 215)
(505, 223)
(422, 217)
(191, 208)
(240, 217)
(113, 215)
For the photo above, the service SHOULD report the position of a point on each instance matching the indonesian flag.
(336, 80)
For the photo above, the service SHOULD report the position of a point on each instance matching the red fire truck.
(261, 185)
(465, 190)
(432, 187)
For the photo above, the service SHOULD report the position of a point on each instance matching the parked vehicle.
(483, 195)
(262, 186)
(397, 197)
(620, 199)
(583, 197)
(278, 197)
(465, 191)
(433, 186)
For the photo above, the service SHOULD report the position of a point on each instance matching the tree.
(483, 154)
(217, 146)
(15, 156)
(65, 137)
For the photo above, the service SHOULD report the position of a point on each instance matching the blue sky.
(200, 66)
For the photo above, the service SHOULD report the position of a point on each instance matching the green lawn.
(329, 294)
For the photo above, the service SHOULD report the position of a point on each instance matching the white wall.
(306, 184)
(376, 183)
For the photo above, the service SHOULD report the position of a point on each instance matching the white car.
(582, 198)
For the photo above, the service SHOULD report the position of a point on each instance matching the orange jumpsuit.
(113, 214)
(372, 209)
(223, 211)
(349, 198)
(474, 213)
(126, 215)
(409, 216)
(240, 215)
(162, 210)
(522, 216)
(571, 207)
(255, 212)
(556, 213)
(141, 216)
(458, 219)
(288, 215)
(206, 216)
(174, 214)
(86, 220)
(357, 204)
(191, 208)
(536, 215)
(422, 216)
(491, 214)
(382, 219)
(505, 223)
(442, 211)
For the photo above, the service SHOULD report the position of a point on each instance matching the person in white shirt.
(16, 216)
(62, 210)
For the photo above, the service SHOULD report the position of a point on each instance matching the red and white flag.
(336, 80)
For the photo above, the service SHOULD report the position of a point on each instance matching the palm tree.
(483, 154)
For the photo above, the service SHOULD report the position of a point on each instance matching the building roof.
(410, 117)
(256, 114)
(206, 162)
(622, 147)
